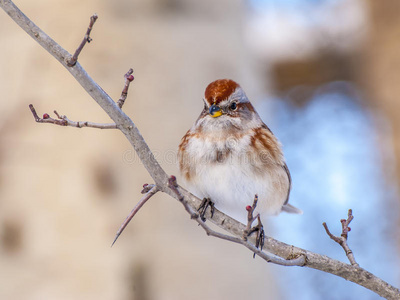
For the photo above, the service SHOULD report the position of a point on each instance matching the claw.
(205, 204)
(260, 234)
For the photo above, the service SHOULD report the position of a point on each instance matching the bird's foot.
(205, 204)
(259, 228)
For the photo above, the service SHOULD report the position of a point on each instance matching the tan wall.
(64, 192)
(379, 68)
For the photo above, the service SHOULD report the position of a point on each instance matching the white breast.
(230, 182)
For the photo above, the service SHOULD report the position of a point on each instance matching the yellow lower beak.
(216, 114)
(215, 111)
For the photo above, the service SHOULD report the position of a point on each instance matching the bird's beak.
(215, 111)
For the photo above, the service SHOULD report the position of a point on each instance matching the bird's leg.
(206, 203)
(259, 228)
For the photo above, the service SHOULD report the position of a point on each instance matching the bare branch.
(150, 193)
(128, 79)
(342, 240)
(129, 129)
(86, 39)
(300, 260)
(258, 228)
(250, 217)
(62, 120)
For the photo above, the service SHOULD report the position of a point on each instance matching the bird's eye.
(233, 106)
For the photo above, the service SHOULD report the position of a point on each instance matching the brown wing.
(285, 167)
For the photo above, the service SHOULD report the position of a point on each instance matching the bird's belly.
(233, 185)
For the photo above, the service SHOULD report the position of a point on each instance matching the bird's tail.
(291, 209)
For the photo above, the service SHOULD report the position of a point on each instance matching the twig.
(148, 194)
(147, 187)
(342, 240)
(300, 260)
(259, 227)
(62, 120)
(250, 217)
(86, 39)
(129, 129)
(128, 79)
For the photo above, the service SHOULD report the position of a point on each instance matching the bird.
(229, 156)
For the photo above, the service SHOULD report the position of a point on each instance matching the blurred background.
(323, 74)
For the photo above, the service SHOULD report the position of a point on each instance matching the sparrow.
(229, 156)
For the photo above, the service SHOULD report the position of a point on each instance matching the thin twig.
(128, 79)
(299, 260)
(62, 120)
(258, 228)
(342, 239)
(86, 39)
(137, 207)
(250, 217)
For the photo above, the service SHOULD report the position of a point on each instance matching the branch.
(342, 240)
(259, 228)
(72, 61)
(300, 260)
(129, 129)
(149, 192)
(128, 79)
(64, 121)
